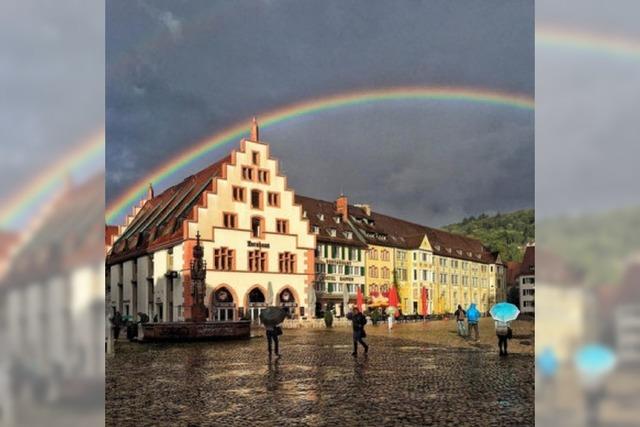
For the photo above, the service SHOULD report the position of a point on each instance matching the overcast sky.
(179, 71)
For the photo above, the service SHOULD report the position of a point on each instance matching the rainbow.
(233, 133)
(22, 203)
(582, 41)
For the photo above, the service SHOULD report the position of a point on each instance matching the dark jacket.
(460, 313)
(357, 322)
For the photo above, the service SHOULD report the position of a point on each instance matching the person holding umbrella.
(358, 321)
(503, 313)
(271, 317)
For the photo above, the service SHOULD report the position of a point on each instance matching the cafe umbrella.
(270, 294)
(359, 298)
(312, 301)
(345, 299)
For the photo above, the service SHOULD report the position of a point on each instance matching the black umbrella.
(272, 316)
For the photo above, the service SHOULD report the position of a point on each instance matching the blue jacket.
(473, 315)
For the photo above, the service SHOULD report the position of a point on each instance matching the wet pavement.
(417, 374)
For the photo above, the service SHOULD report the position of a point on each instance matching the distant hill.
(600, 244)
(507, 233)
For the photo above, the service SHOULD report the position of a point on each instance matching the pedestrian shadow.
(273, 375)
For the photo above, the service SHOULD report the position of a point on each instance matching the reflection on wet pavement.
(317, 382)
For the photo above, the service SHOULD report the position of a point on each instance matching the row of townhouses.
(258, 236)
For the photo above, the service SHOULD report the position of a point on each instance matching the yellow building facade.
(379, 267)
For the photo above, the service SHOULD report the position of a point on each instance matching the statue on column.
(198, 286)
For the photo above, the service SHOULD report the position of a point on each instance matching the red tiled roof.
(385, 230)
(513, 271)
(159, 222)
(323, 214)
(528, 266)
(109, 232)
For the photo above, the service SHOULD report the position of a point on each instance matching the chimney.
(342, 206)
(150, 192)
(255, 132)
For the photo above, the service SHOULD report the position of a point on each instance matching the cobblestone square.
(416, 374)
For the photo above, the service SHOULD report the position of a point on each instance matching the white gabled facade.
(254, 238)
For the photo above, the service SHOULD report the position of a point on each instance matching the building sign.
(346, 279)
(257, 244)
(338, 261)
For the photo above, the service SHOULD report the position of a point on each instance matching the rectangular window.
(223, 259)
(257, 227)
(263, 176)
(256, 199)
(273, 199)
(257, 261)
(238, 194)
(334, 251)
(230, 220)
(247, 173)
(415, 274)
(287, 262)
(282, 226)
(255, 158)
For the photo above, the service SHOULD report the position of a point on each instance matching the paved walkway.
(417, 374)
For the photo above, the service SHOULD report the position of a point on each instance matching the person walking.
(358, 321)
(273, 332)
(473, 316)
(460, 315)
(502, 331)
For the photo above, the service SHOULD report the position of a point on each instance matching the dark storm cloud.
(179, 71)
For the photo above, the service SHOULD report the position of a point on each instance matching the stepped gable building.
(254, 235)
(339, 256)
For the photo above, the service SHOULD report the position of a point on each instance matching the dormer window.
(304, 214)
(449, 250)
(337, 219)
(321, 217)
(458, 251)
(332, 232)
(437, 247)
(469, 254)
(316, 229)
(348, 235)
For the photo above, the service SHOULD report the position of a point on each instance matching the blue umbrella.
(595, 360)
(548, 363)
(504, 312)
